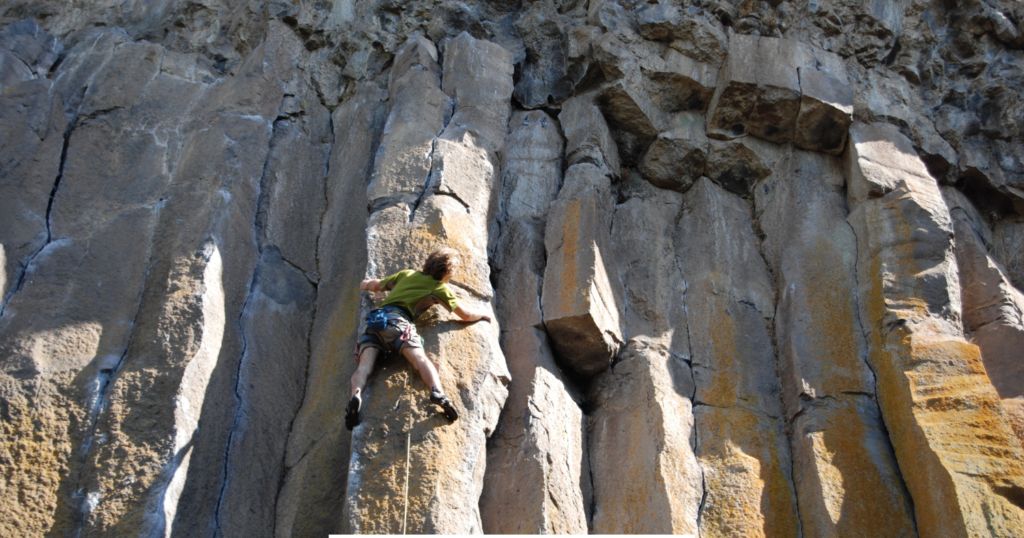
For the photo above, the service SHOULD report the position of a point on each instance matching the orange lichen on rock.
(961, 461)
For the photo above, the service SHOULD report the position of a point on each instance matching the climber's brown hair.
(443, 261)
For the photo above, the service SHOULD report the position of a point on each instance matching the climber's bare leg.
(362, 374)
(419, 360)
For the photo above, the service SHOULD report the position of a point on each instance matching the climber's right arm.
(469, 315)
(370, 284)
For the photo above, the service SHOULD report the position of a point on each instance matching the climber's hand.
(470, 315)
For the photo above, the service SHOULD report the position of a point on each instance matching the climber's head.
(442, 263)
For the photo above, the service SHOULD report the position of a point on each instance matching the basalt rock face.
(754, 268)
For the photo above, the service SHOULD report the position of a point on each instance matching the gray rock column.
(935, 397)
(845, 470)
(641, 431)
(741, 443)
(537, 477)
(457, 208)
(317, 456)
(993, 308)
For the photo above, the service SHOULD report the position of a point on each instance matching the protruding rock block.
(782, 91)
(583, 300)
(538, 477)
(826, 112)
(937, 402)
(633, 118)
(843, 462)
(587, 138)
(682, 83)
(677, 158)
(737, 165)
(646, 477)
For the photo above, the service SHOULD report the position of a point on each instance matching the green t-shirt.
(415, 292)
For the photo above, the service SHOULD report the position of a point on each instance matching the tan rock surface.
(582, 299)
(932, 388)
(845, 471)
(317, 456)
(447, 460)
(641, 445)
(741, 444)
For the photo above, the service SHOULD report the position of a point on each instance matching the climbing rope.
(408, 444)
(405, 518)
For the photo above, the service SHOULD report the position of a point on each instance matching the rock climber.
(391, 327)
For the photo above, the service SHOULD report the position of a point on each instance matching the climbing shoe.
(352, 413)
(439, 398)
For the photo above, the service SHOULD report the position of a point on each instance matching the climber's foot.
(448, 408)
(352, 413)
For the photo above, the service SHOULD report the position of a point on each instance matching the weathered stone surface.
(677, 158)
(932, 388)
(114, 175)
(272, 378)
(533, 165)
(826, 112)
(317, 457)
(737, 165)
(1008, 248)
(642, 238)
(646, 478)
(682, 83)
(736, 95)
(691, 30)
(544, 78)
(26, 52)
(632, 117)
(419, 113)
(587, 138)
(293, 198)
(447, 461)
(993, 308)
(845, 471)
(583, 299)
(538, 475)
(741, 443)
(32, 126)
(136, 114)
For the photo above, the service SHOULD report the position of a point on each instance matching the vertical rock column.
(317, 455)
(641, 431)
(845, 470)
(416, 213)
(182, 361)
(938, 403)
(741, 442)
(537, 477)
(993, 307)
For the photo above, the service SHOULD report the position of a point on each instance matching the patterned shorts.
(399, 334)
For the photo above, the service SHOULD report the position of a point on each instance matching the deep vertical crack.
(257, 239)
(49, 210)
